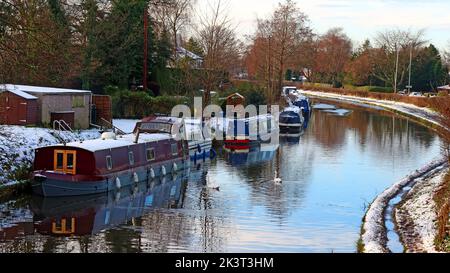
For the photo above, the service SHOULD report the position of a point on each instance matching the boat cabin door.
(65, 161)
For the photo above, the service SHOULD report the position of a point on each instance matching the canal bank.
(417, 191)
(17, 144)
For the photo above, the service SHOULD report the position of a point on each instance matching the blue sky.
(359, 19)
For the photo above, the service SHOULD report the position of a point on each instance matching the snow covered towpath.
(417, 215)
(423, 114)
(374, 229)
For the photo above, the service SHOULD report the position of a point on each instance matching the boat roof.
(121, 141)
(292, 109)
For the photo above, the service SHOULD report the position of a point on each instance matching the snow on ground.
(17, 144)
(374, 237)
(417, 217)
(410, 109)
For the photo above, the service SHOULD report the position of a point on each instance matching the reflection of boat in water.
(90, 214)
(260, 154)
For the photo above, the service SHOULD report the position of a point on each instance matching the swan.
(277, 180)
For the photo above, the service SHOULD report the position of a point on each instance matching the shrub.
(138, 104)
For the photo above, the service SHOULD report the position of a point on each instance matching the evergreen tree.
(120, 47)
(428, 70)
(90, 9)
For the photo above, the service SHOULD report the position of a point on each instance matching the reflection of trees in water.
(294, 169)
(196, 225)
(377, 130)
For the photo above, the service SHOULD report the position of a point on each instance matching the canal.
(232, 204)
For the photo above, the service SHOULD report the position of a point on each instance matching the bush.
(380, 89)
(138, 104)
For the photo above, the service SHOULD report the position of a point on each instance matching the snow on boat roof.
(17, 92)
(292, 109)
(121, 141)
(41, 90)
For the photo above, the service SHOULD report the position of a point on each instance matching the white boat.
(199, 143)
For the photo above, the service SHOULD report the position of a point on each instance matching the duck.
(277, 180)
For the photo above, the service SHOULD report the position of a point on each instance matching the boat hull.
(49, 184)
(200, 150)
(291, 129)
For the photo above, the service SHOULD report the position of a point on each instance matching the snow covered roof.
(24, 89)
(294, 109)
(121, 141)
(18, 93)
(186, 53)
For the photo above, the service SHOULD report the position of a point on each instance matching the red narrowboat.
(105, 164)
(241, 135)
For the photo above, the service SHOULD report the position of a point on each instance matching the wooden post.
(144, 78)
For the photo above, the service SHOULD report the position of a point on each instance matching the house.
(32, 105)
(445, 88)
(235, 99)
(195, 60)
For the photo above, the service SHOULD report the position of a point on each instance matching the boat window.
(175, 149)
(109, 162)
(150, 154)
(59, 161)
(131, 158)
(70, 165)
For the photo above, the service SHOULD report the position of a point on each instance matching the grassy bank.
(442, 199)
(14, 190)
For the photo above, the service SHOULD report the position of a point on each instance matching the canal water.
(329, 176)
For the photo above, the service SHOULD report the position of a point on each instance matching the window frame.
(64, 168)
(172, 147)
(131, 159)
(109, 162)
(153, 152)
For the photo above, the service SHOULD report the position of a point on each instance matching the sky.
(360, 19)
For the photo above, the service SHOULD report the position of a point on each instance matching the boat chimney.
(137, 133)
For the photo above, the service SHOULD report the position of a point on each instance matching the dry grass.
(442, 199)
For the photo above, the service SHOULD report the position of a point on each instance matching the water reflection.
(232, 204)
(91, 214)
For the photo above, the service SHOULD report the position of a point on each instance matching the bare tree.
(217, 39)
(334, 51)
(446, 56)
(172, 16)
(391, 60)
(35, 43)
(276, 43)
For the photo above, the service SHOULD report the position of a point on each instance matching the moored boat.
(291, 121)
(247, 133)
(199, 144)
(105, 164)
